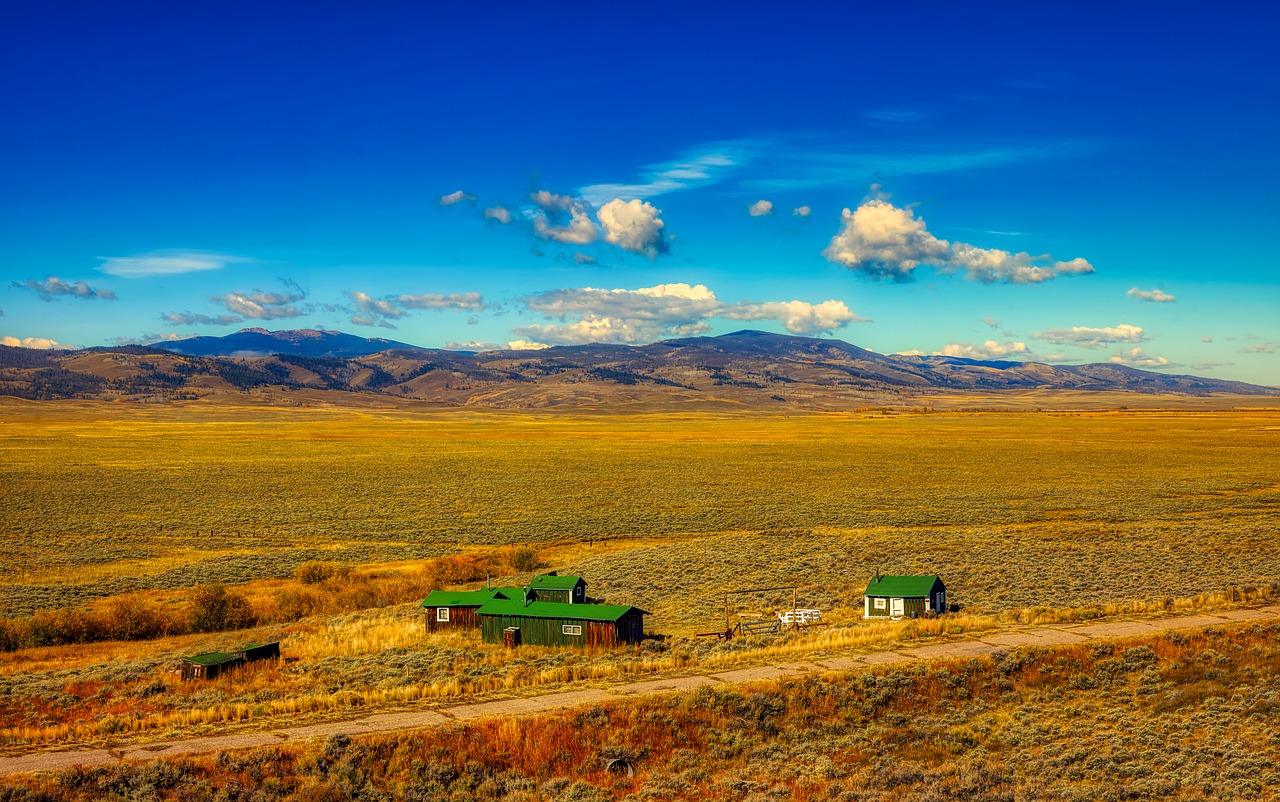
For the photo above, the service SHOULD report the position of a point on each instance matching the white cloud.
(1137, 358)
(40, 343)
(192, 319)
(499, 213)
(259, 305)
(52, 287)
(456, 197)
(760, 208)
(579, 230)
(665, 310)
(551, 202)
(708, 164)
(989, 349)
(1206, 339)
(1259, 348)
(801, 211)
(881, 240)
(1091, 337)
(1156, 296)
(633, 226)
(372, 311)
(991, 322)
(166, 263)
(798, 317)
(526, 345)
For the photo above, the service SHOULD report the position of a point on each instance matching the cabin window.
(880, 604)
(927, 606)
(571, 629)
(442, 613)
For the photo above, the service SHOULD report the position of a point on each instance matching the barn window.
(880, 604)
(571, 629)
(442, 613)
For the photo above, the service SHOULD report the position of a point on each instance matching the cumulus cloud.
(193, 319)
(456, 197)
(166, 263)
(52, 287)
(1091, 337)
(801, 211)
(760, 208)
(578, 230)
(798, 317)
(500, 214)
(260, 305)
(881, 240)
(989, 349)
(633, 226)
(1155, 296)
(1137, 358)
(664, 310)
(40, 343)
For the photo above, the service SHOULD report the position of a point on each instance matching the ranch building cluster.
(552, 610)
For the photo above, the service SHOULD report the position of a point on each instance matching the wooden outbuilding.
(560, 624)
(896, 597)
(211, 664)
(551, 587)
(456, 609)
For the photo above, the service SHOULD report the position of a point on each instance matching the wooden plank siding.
(459, 618)
(553, 595)
(551, 631)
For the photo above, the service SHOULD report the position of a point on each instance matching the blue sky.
(1080, 184)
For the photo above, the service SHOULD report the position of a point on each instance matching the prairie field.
(662, 510)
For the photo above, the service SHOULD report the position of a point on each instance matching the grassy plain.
(1183, 716)
(1022, 513)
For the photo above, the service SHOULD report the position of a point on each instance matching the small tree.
(214, 609)
(314, 572)
(524, 559)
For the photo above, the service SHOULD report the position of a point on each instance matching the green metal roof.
(555, 582)
(218, 658)
(468, 598)
(583, 612)
(901, 586)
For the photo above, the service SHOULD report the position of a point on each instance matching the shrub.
(524, 559)
(314, 572)
(214, 608)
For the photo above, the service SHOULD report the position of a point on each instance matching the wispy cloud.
(166, 263)
(193, 319)
(260, 305)
(1155, 296)
(987, 350)
(1259, 348)
(53, 287)
(704, 165)
(371, 311)
(1091, 336)
(456, 197)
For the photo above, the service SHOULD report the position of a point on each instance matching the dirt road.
(387, 722)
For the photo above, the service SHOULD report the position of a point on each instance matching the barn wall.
(459, 618)
(547, 631)
(550, 595)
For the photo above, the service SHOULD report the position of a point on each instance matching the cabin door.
(895, 608)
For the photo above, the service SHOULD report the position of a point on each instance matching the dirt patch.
(959, 649)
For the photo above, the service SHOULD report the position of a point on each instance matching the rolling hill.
(749, 368)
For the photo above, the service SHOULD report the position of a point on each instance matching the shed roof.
(218, 658)
(902, 586)
(582, 612)
(555, 582)
(468, 598)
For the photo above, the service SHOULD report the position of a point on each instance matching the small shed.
(559, 624)
(551, 587)
(456, 609)
(897, 597)
(211, 664)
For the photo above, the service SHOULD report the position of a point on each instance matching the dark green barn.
(897, 597)
(456, 609)
(557, 624)
(211, 664)
(551, 587)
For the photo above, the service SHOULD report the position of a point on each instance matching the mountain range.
(751, 368)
